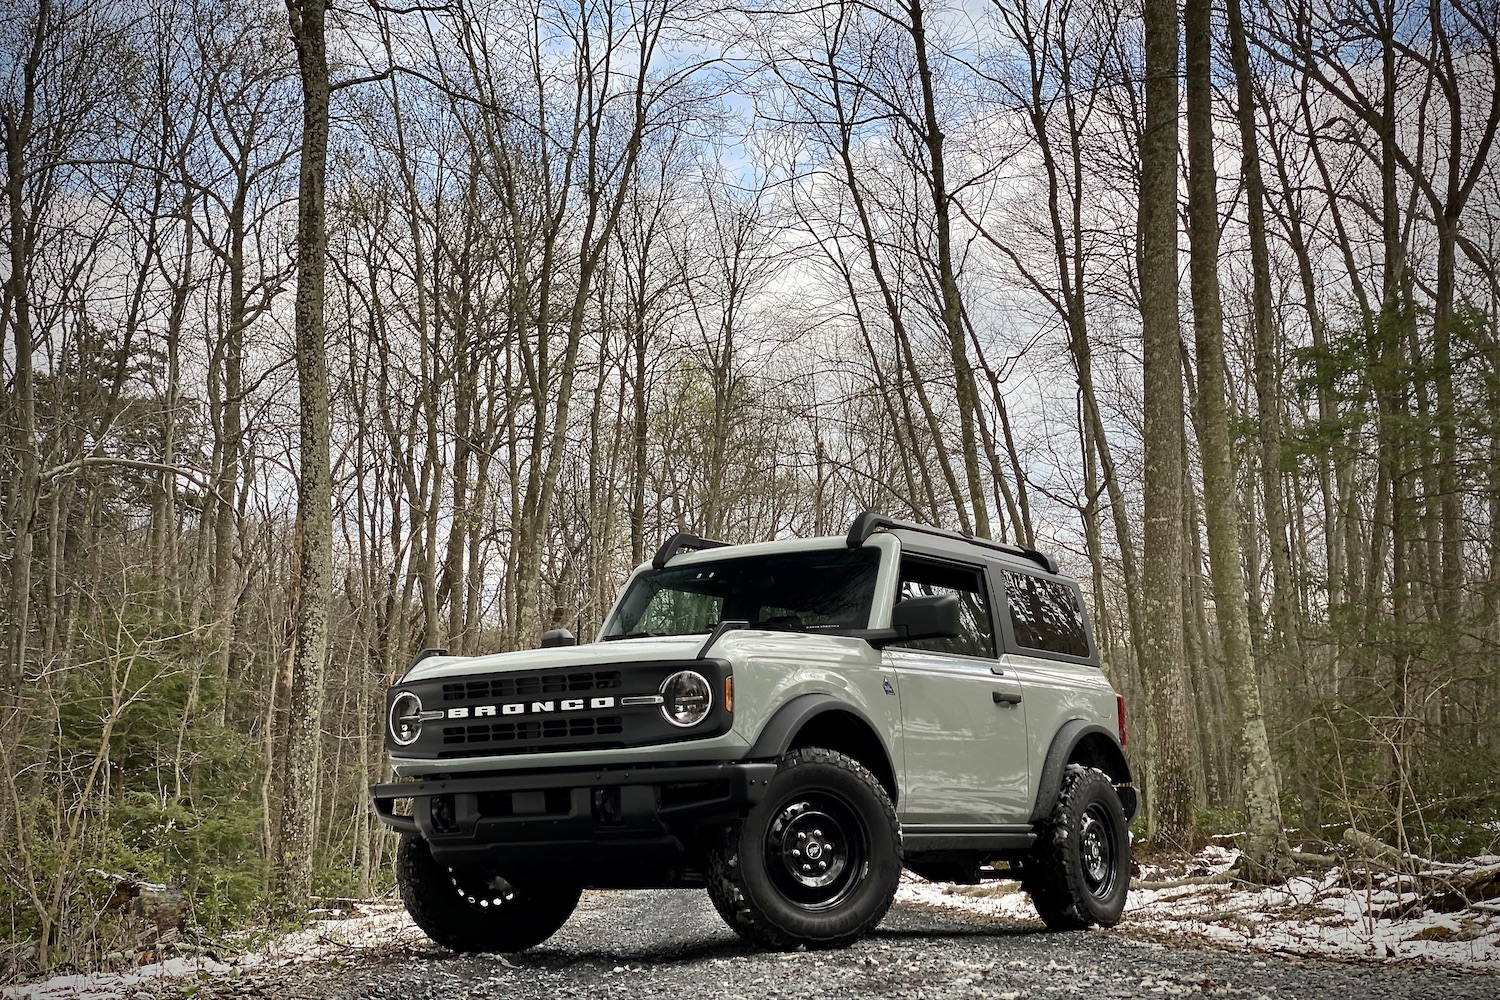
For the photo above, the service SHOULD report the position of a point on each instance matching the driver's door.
(962, 712)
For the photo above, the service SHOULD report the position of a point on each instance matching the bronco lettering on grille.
(530, 708)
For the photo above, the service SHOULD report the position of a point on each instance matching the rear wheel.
(474, 910)
(1079, 871)
(817, 862)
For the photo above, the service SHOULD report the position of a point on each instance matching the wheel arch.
(1080, 741)
(821, 720)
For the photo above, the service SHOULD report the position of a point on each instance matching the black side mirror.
(562, 637)
(926, 618)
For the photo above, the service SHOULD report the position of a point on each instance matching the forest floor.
(1435, 916)
(1437, 920)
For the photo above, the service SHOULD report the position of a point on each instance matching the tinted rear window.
(1045, 615)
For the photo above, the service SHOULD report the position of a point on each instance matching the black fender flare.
(777, 735)
(1069, 736)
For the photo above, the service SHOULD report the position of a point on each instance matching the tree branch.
(194, 476)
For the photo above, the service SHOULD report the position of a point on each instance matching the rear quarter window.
(1045, 615)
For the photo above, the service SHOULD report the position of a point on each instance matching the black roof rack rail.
(424, 654)
(869, 522)
(683, 542)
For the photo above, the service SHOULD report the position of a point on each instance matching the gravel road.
(672, 944)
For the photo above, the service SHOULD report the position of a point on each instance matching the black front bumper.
(613, 826)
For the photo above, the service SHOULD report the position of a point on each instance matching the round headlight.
(686, 698)
(406, 719)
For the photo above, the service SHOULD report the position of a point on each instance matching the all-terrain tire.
(477, 911)
(727, 901)
(1079, 870)
(816, 863)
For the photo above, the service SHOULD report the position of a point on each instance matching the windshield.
(823, 590)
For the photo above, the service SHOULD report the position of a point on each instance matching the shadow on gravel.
(680, 953)
(956, 930)
(667, 953)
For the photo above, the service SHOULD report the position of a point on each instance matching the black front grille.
(534, 729)
(533, 684)
(555, 710)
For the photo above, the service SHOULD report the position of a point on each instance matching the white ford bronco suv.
(787, 724)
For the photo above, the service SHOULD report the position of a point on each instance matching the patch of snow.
(1334, 914)
(381, 926)
(108, 985)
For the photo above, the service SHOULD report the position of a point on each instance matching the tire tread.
(726, 876)
(435, 907)
(1053, 881)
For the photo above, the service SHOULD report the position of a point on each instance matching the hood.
(676, 647)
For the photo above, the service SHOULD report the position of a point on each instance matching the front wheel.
(465, 910)
(817, 862)
(1079, 871)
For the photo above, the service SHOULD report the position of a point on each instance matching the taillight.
(1120, 714)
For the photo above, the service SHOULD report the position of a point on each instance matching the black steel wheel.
(1078, 874)
(1096, 848)
(817, 862)
(465, 910)
(815, 850)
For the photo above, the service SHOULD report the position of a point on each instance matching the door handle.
(1006, 697)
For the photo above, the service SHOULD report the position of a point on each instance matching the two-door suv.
(787, 724)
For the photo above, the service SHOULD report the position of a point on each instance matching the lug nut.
(796, 853)
(801, 836)
(807, 868)
(822, 864)
(817, 833)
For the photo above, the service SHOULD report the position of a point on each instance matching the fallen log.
(1368, 849)
(1449, 893)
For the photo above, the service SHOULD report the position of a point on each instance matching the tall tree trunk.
(314, 497)
(1266, 850)
(17, 116)
(952, 303)
(638, 440)
(1285, 640)
(1391, 379)
(1163, 666)
(228, 424)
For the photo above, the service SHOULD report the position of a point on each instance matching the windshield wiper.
(633, 635)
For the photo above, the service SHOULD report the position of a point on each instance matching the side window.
(925, 579)
(1045, 615)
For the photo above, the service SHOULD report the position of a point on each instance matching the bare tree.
(1285, 617)
(1171, 771)
(299, 805)
(1266, 850)
(18, 115)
